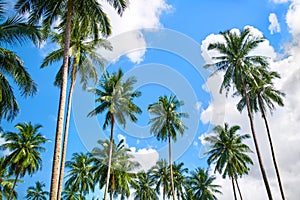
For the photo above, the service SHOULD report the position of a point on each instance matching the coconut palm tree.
(201, 185)
(80, 177)
(25, 150)
(144, 187)
(180, 183)
(116, 98)
(121, 176)
(229, 153)
(161, 174)
(166, 124)
(13, 31)
(90, 11)
(6, 182)
(83, 58)
(238, 63)
(262, 96)
(71, 194)
(37, 192)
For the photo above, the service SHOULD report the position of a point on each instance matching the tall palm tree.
(37, 192)
(89, 11)
(160, 173)
(71, 194)
(116, 98)
(201, 185)
(13, 31)
(6, 182)
(180, 182)
(25, 150)
(121, 176)
(262, 96)
(166, 124)
(236, 60)
(144, 187)
(80, 177)
(83, 57)
(229, 153)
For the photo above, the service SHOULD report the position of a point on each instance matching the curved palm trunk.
(66, 131)
(238, 187)
(233, 187)
(61, 107)
(272, 148)
(14, 185)
(262, 169)
(109, 155)
(171, 168)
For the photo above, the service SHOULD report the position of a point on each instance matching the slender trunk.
(171, 168)
(14, 185)
(66, 130)
(238, 187)
(61, 108)
(272, 148)
(164, 193)
(233, 187)
(109, 155)
(262, 169)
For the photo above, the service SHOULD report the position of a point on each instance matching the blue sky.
(190, 26)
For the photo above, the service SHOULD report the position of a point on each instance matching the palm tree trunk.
(66, 130)
(262, 169)
(272, 148)
(238, 187)
(164, 193)
(233, 187)
(171, 168)
(109, 155)
(61, 107)
(14, 185)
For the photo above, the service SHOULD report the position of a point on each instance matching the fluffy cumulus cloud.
(284, 122)
(274, 26)
(140, 14)
(280, 1)
(147, 158)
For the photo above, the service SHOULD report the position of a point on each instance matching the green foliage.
(13, 31)
(37, 192)
(201, 187)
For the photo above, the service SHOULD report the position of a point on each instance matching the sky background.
(168, 56)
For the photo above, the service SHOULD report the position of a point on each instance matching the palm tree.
(121, 176)
(37, 192)
(71, 194)
(166, 124)
(201, 185)
(262, 96)
(160, 173)
(25, 150)
(6, 182)
(229, 153)
(238, 64)
(115, 97)
(180, 184)
(144, 187)
(83, 56)
(13, 31)
(90, 11)
(80, 177)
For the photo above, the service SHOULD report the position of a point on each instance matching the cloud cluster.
(284, 122)
(274, 26)
(140, 14)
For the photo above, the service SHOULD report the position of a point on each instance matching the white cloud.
(284, 123)
(146, 157)
(280, 1)
(292, 17)
(140, 14)
(274, 26)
